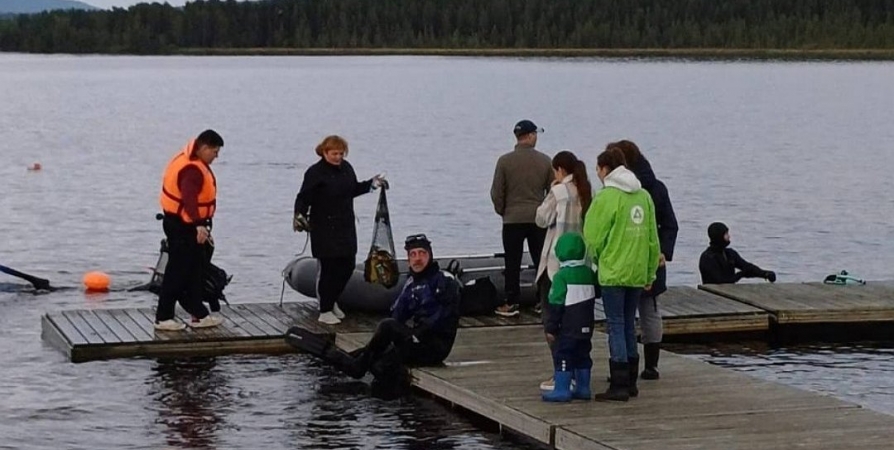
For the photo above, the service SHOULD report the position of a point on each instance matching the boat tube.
(302, 273)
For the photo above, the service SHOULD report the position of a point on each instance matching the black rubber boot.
(651, 352)
(633, 373)
(620, 380)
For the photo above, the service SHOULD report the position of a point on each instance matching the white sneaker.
(329, 318)
(207, 322)
(338, 312)
(169, 325)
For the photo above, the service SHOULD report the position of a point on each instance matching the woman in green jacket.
(622, 239)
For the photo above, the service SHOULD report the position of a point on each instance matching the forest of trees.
(458, 24)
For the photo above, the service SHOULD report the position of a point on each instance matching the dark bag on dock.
(215, 280)
(478, 297)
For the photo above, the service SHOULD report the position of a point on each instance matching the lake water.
(794, 157)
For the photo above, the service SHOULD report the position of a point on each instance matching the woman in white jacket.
(561, 212)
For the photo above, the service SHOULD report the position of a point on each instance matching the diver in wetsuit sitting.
(420, 331)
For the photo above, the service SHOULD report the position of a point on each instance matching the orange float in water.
(36, 166)
(96, 281)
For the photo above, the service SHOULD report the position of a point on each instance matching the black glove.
(300, 223)
(770, 276)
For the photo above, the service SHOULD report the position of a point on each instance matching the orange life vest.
(171, 197)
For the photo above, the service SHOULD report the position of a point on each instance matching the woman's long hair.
(566, 161)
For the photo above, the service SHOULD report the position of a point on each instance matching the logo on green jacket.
(637, 215)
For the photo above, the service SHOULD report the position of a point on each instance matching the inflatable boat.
(301, 274)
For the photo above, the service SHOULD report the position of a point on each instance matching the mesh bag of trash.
(381, 264)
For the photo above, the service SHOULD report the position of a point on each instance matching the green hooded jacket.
(573, 293)
(620, 232)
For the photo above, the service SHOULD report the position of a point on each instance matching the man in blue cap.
(521, 181)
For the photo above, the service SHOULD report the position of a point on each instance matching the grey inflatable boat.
(301, 274)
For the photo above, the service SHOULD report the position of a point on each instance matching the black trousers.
(334, 276)
(184, 271)
(514, 237)
(388, 352)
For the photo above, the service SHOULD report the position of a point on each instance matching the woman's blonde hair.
(333, 142)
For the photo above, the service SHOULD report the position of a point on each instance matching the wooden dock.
(90, 334)
(497, 364)
(814, 303)
(688, 311)
(495, 373)
(86, 335)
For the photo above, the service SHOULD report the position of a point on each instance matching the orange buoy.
(35, 167)
(96, 282)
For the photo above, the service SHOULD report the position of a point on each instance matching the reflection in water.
(190, 396)
(337, 412)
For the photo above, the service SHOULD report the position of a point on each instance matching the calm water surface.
(795, 157)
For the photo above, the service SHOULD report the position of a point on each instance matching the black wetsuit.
(420, 331)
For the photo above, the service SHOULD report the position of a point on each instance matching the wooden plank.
(143, 320)
(471, 322)
(815, 303)
(238, 322)
(516, 420)
(50, 334)
(306, 317)
(263, 325)
(271, 321)
(688, 301)
(112, 324)
(107, 335)
(178, 349)
(495, 372)
(776, 430)
(86, 330)
(219, 333)
(297, 313)
(277, 314)
(736, 324)
(128, 323)
(66, 329)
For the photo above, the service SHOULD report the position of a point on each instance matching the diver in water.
(720, 264)
(420, 332)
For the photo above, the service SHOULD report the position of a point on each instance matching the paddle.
(39, 283)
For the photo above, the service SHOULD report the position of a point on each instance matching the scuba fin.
(323, 346)
(316, 344)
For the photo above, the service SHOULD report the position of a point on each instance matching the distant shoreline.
(690, 53)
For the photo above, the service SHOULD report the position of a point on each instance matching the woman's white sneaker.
(338, 312)
(169, 325)
(329, 318)
(207, 322)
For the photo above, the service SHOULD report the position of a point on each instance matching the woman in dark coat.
(324, 207)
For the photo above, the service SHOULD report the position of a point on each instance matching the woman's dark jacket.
(326, 199)
(664, 218)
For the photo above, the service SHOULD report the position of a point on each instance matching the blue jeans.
(619, 304)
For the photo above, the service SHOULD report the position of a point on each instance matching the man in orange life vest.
(188, 199)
